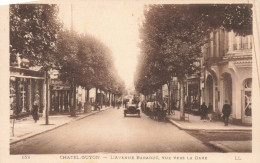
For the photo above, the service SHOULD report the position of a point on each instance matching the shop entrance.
(209, 91)
(227, 85)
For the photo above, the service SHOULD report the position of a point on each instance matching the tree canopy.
(86, 61)
(172, 37)
(33, 33)
(36, 34)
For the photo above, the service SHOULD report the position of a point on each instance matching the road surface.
(110, 132)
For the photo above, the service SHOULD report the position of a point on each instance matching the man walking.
(226, 112)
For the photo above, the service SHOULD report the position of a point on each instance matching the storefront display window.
(26, 86)
(23, 87)
(247, 98)
(13, 100)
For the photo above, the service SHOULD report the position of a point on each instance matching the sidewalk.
(195, 123)
(26, 128)
(232, 146)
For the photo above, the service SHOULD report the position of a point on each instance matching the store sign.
(25, 72)
(17, 73)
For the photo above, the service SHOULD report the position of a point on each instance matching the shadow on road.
(132, 116)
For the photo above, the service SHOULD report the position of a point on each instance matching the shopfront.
(60, 97)
(26, 86)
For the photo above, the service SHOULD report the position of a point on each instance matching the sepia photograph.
(116, 81)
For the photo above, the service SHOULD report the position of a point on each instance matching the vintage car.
(131, 108)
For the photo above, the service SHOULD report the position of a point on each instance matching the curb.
(179, 126)
(220, 147)
(41, 132)
(182, 127)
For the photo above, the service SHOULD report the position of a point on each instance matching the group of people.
(116, 104)
(206, 112)
(156, 109)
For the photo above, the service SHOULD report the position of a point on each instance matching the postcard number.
(25, 157)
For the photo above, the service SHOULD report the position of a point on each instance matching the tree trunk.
(106, 99)
(109, 100)
(73, 110)
(182, 113)
(169, 98)
(47, 99)
(161, 93)
(96, 94)
(70, 93)
(86, 98)
(114, 96)
(87, 95)
(101, 98)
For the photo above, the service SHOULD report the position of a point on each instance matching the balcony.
(243, 46)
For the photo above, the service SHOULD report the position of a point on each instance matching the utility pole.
(73, 113)
(47, 98)
(71, 25)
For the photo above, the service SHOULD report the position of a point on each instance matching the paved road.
(110, 132)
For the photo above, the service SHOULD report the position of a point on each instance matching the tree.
(33, 36)
(86, 58)
(85, 61)
(69, 63)
(172, 37)
(171, 48)
(33, 33)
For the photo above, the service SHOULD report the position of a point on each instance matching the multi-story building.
(227, 74)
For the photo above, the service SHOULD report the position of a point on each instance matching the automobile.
(131, 108)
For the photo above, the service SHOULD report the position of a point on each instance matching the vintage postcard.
(130, 81)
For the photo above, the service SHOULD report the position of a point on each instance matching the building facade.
(227, 74)
(27, 85)
(61, 95)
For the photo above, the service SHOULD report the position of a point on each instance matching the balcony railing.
(242, 46)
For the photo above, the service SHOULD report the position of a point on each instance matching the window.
(244, 42)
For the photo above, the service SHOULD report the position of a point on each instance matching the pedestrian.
(226, 111)
(35, 109)
(210, 111)
(113, 104)
(118, 104)
(164, 109)
(80, 106)
(165, 105)
(156, 110)
(142, 106)
(203, 111)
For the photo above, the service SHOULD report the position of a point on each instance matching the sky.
(115, 24)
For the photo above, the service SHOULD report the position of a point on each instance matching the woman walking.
(35, 109)
(210, 111)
